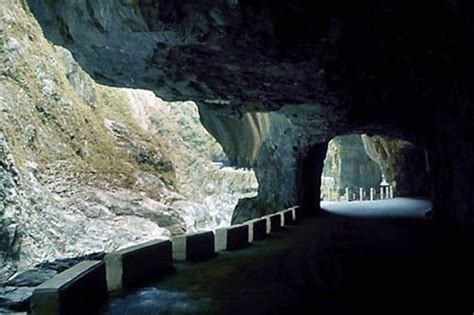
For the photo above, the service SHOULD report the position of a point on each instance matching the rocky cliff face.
(211, 190)
(267, 142)
(348, 164)
(84, 167)
(403, 164)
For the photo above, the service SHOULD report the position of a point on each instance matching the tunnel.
(356, 167)
(358, 69)
(281, 86)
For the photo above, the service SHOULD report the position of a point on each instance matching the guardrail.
(78, 290)
(358, 193)
(86, 285)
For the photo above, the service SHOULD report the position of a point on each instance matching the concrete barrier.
(257, 229)
(232, 237)
(274, 222)
(193, 247)
(132, 266)
(78, 290)
(297, 213)
(288, 217)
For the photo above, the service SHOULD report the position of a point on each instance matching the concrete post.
(194, 246)
(232, 237)
(347, 194)
(381, 193)
(274, 222)
(387, 193)
(131, 267)
(361, 194)
(371, 193)
(257, 229)
(391, 191)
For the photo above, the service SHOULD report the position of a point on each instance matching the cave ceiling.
(346, 66)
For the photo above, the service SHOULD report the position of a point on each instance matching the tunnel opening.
(398, 215)
(350, 174)
(359, 167)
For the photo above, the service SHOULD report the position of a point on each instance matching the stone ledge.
(78, 290)
(132, 266)
(232, 237)
(193, 247)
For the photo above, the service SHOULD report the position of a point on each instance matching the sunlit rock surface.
(88, 168)
(212, 190)
(188, 51)
(331, 68)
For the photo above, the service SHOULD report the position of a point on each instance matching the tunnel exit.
(359, 167)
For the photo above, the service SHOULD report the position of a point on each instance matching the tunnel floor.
(383, 257)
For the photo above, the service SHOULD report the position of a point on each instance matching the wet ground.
(383, 257)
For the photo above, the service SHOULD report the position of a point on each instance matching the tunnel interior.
(274, 83)
(358, 69)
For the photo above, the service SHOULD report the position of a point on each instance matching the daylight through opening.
(359, 167)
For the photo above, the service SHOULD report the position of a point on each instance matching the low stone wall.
(193, 247)
(232, 237)
(82, 288)
(288, 217)
(257, 229)
(78, 290)
(132, 266)
(274, 222)
(297, 212)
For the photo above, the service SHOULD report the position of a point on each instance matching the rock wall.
(403, 164)
(450, 153)
(349, 165)
(57, 154)
(210, 189)
(86, 168)
(266, 142)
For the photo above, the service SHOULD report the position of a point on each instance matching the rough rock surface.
(331, 68)
(15, 294)
(267, 142)
(403, 164)
(85, 168)
(215, 187)
(348, 164)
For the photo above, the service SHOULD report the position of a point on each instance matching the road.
(383, 257)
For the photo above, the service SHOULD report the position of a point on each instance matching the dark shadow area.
(309, 178)
(378, 264)
(387, 261)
